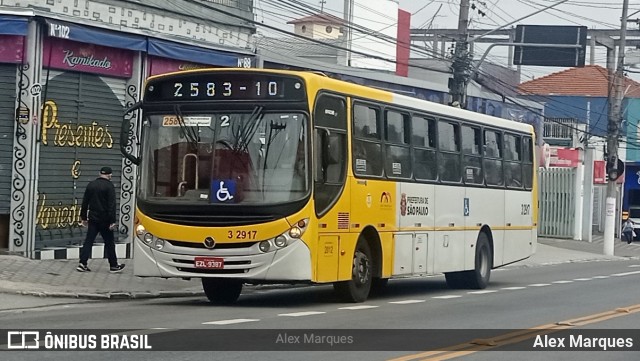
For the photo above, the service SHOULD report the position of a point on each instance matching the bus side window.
(366, 122)
(527, 162)
(335, 171)
(472, 161)
(449, 165)
(367, 150)
(423, 139)
(398, 152)
(493, 158)
(513, 159)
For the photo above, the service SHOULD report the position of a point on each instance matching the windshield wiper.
(274, 129)
(249, 129)
(192, 135)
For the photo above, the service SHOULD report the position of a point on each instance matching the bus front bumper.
(291, 263)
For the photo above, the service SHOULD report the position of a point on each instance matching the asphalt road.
(580, 297)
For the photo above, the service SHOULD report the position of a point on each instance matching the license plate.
(209, 262)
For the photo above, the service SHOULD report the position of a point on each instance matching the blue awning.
(171, 50)
(91, 35)
(153, 46)
(13, 25)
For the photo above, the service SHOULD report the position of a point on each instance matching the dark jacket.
(99, 202)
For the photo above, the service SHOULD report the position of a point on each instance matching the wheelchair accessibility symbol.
(224, 190)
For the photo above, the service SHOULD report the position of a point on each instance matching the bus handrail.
(184, 172)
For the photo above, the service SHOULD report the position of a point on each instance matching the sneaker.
(83, 268)
(116, 269)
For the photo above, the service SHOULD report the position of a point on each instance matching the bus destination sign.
(225, 86)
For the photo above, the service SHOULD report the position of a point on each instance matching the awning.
(13, 25)
(153, 46)
(91, 35)
(194, 54)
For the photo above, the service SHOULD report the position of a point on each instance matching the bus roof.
(348, 88)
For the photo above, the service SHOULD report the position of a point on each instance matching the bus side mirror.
(124, 134)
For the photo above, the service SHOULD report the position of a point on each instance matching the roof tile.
(591, 80)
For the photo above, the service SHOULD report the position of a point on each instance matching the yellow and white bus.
(250, 176)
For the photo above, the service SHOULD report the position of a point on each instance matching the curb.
(139, 295)
(577, 260)
(109, 295)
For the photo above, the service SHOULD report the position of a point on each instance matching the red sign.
(163, 66)
(600, 173)
(11, 48)
(403, 43)
(88, 58)
(564, 157)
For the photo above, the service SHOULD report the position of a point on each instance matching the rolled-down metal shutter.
(80, 134)
(7, 131)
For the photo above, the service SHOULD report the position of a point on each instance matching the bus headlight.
(140, 230)
(280, 241)
(159, 244)
(295, 232)
(264, 246)
(298, 229)
(147, 238)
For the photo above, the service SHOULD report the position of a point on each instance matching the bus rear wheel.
(478, 278)
(221, 291)
(357, 289)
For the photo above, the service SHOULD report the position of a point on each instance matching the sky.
(443, 14)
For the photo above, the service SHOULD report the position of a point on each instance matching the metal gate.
(80, 134)
(557, 202)
(7, 131)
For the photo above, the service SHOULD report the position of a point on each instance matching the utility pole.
(615, 119)
(461, 65)
(348, 20)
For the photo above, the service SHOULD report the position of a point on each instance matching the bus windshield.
(225, 157)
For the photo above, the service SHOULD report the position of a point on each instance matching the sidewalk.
(555, 250)
(59, 278)
(596, 246)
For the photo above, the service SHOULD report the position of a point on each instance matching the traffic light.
(613, 173)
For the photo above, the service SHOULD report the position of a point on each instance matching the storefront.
(12, 33)
(84, 94)
(87, 77)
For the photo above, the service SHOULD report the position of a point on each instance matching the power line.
(304, 10)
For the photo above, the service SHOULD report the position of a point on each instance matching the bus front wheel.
(478, 278)
(221, 291)
(357, 289)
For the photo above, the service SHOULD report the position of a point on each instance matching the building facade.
(68, 70)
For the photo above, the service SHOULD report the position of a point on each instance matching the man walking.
(99, 214)
(628, 234)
